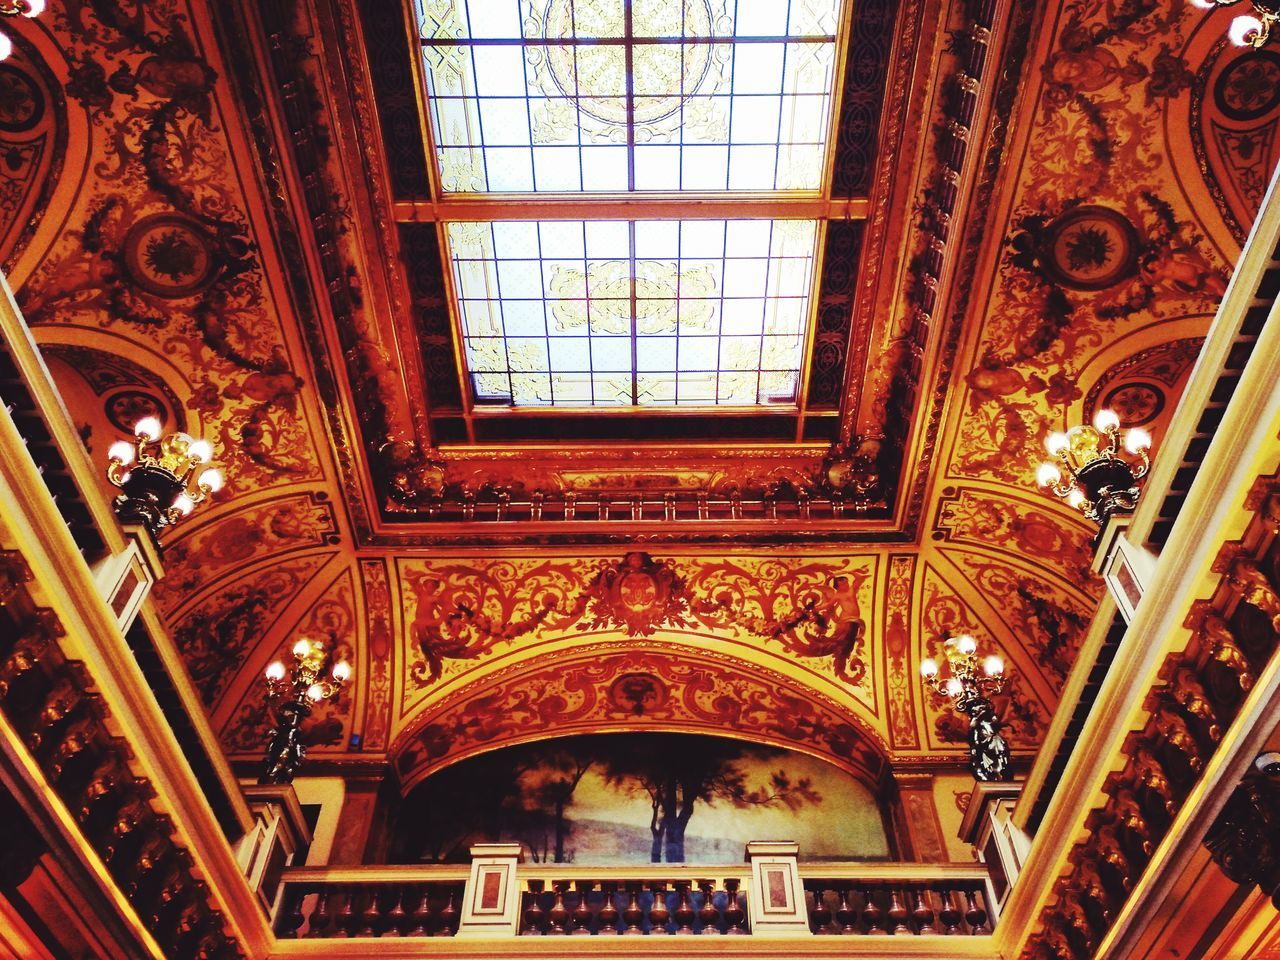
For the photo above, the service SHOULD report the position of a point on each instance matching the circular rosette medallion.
(169, 255)
(21, 102)
(1091, 248)
(638, 693)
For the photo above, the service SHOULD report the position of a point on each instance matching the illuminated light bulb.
(121, 452)
(966, 644)
(929, 668)
(302, 648)
(6, 46)
(1047, 475)
(341, 671)
(201, 450)
(1057, 443)
(1075, 498)
(1244, 29)
(315, 692)
(275, 671)
(1136, 441)
(993, 666)
(954, 687)
(211, 479)
(34, 8)
(1105, 420)
(184, 504)
(148, 428)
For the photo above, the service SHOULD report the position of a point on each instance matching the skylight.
(634, 313)
(629, 95)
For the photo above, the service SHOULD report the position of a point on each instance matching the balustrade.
(898, 908)
(336, 909)
(678, 907)
(570, 901)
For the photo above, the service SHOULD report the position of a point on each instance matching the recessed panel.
(613, 96)
(634, 313)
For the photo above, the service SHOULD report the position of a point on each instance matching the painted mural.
(640, 798)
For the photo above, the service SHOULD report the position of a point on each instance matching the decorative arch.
(34, 141)
(631, 685)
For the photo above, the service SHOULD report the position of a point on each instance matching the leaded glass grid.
(634, 313)
(629, 95)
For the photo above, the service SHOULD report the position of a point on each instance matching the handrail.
(64, 583)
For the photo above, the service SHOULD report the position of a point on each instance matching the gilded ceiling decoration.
(278, 271)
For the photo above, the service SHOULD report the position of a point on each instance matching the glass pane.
(617, 312)
(642, 95)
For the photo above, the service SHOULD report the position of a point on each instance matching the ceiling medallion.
(1091, 248)
(169, 255)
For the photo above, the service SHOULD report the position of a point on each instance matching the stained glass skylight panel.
(643, 313)
(629, 95)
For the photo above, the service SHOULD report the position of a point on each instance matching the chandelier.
(161, 479)
(298, 687)
(1248, 30)
(1098, 481)
(17, 8)
(970, 684)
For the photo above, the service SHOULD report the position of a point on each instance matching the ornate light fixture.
(162, 479)
(970, 685)
(298, 688)
(1248, 30)
(17, 8)
(1098, 481)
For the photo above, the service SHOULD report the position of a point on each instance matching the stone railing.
(499, 898)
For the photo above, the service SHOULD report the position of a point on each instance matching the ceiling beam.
(624, 207)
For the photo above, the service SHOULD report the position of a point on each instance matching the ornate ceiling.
(225, 215)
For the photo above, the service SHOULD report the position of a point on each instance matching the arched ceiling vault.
(159, 222)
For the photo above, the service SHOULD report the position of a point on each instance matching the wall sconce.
(969, 685)
(1248, 29)
(299, 687)
(17, 8)
(1097, 481)
(159, 477)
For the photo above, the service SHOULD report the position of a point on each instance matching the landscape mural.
(640, 798)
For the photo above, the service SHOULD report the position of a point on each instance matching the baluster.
(608, 915)
(371, 916)
(846, 915)
(346, 920)
(922, 913)
(291, 919)
(320, 916)
(398, 918)
(872, 914)
(582, 910)
(684, 914)
(708, 915)
(449, 917)
(421, 915)
(975, 916)
(632, 914)
(950, 914)
(733, 912)
(534, 916)
(658, 913)
(898, 912)
(820, 914)
(559, 913)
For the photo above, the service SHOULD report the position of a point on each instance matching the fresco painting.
(640, 798)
